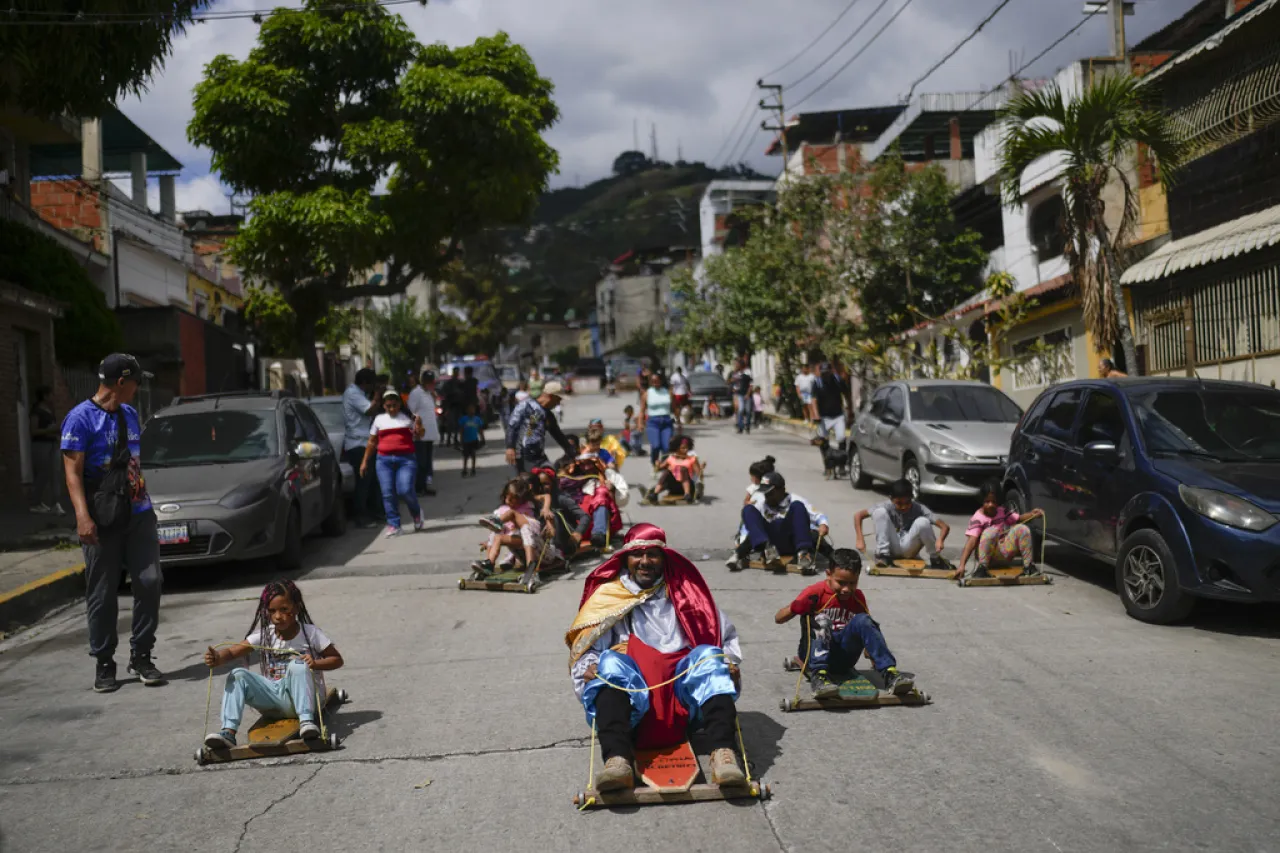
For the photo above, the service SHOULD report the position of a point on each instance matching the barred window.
(1055, 363)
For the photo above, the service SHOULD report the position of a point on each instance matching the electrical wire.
(25, 18)
(943, 61)
(853, 58)
(733, 129)
(839, 47)
(813, 43)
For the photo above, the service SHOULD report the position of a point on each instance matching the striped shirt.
(395, 434)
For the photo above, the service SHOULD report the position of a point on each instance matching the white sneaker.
(58, 510)
(391, 532)
(309, 730)
(417, 524)
(41, 509)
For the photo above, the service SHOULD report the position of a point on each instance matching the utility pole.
(1116, 11)
(777, 108)
(653, 141)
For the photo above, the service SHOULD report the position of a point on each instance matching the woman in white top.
(655, 413)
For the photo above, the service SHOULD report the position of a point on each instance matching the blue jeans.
(847, 645)
(291, 696)
(395, 476)
(600, 521)
(790, 534)
(705, 675)
(743, 407)
(659, 430)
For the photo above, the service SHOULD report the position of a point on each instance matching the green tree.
(566, 358)
(479, 287)
(109, 50)
(1095, 135)
(87, 329)
(274, 323)
(402, 337)
(335, 100)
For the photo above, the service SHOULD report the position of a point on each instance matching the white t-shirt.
(679, 385)
(308, 640)
(804, 383)
(423, 404)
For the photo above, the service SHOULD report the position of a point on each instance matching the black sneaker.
(597, 540)
(1031, 570)
(980, 571)
(105, 679)
(482, 569)
(823, 687)
(691, 497)
(885, 563)
(429, 492)
(141, 666)
(937, 561)
(897, 683)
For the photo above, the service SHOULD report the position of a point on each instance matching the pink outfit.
(980, 521)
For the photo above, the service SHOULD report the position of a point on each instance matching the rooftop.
(120, 138)
(861, 124)
(928, 118)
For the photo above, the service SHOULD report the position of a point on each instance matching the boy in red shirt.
(840, 628)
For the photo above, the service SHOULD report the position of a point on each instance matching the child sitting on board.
(292, 653)
(904, 528)
(838, 628)
(755, 472)
(679, 472)
(996, 533)
(515, 527)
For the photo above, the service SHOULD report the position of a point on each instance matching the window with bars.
(1054, 362)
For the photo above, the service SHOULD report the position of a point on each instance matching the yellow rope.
(808, 648)
(742, 745)
(671, 680)
(591, 771)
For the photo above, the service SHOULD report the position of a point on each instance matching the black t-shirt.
(828, 393)
(470, 390)
(452, 393)
(742, 383)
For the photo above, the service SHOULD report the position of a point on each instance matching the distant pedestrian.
(452, 406)
(679, 394)
(655, 414)
(740, 383)
(101, 450)
(804, 387)
(472, 427)
(1107, 368)
(391, 436)
(422, 405)
(44, 454)
(832, 399)
(360, 402)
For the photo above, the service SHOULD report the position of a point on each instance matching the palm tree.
(1096, 135)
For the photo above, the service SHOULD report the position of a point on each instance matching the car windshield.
(509, 373)
(962, 403)
(330, 414)
(482, 370)
(1228, 424)
(706, 382)
(209, 438)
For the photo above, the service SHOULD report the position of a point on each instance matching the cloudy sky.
(687, 66)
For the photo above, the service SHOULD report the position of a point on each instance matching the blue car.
(1174, 481)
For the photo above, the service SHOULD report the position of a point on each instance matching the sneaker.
(391, 532)
(691, 497)
(897, 683)
(141, 666)
(725, 771)
(417, 523)
(823, 687)
(58, 510)
(224, 739)
(483, 568)
(491, 523)
(597, 540)
(104, 680)
(770, 556)
(980, 571)
(937, 561)
(1031, 570)
(429, 492)
(617, 775)
(885, 563)
(41, 509)
(733, 565)
(805, 561)
(308, 730)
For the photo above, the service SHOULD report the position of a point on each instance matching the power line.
(813, 43)
(839, 47)
(746, 111)
(26, 18)
(851, 59)
(956, 49)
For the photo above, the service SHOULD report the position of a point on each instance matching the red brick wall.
(191, 341)
(72, 206)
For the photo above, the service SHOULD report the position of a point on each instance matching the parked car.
(706, 385)
(329, 411)
(1176, 482)
(943, 436)
(240, 476)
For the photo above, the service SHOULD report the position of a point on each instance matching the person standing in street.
(360, 402)
(804, 387)
(44, 454)
(831, 397)
(452, 396)
(528, 426)
(101, 449)
(422, 405)
(679, 395)
(740, 383)
(655, 414)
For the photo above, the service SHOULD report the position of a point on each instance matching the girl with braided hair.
(292, 653)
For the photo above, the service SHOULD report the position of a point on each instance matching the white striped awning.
(1228, 240)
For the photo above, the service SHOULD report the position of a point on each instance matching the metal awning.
(1236, 237)
(1216, 40)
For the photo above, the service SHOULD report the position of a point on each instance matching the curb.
(791, 426)
(26, 604)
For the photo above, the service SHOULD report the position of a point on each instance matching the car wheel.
(336, 523)
(1147, 580)
(911, 473)
(1015, 502)
(857, 476)
(291, 556)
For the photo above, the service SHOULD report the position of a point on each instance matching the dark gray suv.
(240, 476)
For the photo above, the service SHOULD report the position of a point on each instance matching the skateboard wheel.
(528, 587)
(462, 583)
(766, 792)
(343, 696)
(785, 705)
(334, 743)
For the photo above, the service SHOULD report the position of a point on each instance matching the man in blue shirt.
(89, 435)
(360, 402)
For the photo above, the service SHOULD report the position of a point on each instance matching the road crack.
(244, 830)
(768, 818)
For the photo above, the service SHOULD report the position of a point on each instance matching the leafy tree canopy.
(402, 336)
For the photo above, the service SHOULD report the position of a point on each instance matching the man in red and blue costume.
(646, 617)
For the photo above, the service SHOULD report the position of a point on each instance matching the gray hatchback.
(240, 476)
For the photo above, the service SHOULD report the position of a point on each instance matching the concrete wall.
(626, 305)
(149, 277)
(1079, 363)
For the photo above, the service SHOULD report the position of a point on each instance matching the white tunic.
(655, 623)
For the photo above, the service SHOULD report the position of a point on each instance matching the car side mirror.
(1102, 451)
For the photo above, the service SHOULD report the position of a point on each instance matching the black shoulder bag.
(111, 505)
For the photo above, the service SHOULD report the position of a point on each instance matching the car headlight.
(949, 453)
(1226, 509)
(243, 496)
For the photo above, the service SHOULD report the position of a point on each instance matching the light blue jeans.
(396, 475)
(291, 696)
(705, 675)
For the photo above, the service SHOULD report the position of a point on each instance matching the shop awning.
(1228, 240)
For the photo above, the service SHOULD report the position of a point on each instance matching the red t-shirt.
(395, 435)
(841, 612)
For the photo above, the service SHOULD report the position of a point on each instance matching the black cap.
(120, 365)
(428, 376)
(772, 480)
(366, 375)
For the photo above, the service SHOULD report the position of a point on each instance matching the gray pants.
(908, 543)
(135, 548)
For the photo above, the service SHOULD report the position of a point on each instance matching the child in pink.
(679, 472)
(513, 525)
(995, 533)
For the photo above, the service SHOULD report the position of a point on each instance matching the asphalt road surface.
(1058, 723)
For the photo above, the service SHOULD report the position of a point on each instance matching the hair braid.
(262, 618)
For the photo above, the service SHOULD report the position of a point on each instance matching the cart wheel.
(766, 792)
(343, 696)
(785, 705)
(462, 583)
(334, 743)
(200, 756)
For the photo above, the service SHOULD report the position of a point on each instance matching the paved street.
(1059, 723)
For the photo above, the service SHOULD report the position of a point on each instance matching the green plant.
(402, 337)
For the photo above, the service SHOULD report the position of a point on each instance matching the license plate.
(173, 534)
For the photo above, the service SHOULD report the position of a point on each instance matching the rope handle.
(671, 680)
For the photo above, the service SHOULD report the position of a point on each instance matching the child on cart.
(995, 533)
(679, 473)
(515, 533)
(587, 481)
(837, 628)
(292, 653)
(755, 472)
(904, 528)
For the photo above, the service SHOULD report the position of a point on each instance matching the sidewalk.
(40, 566)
